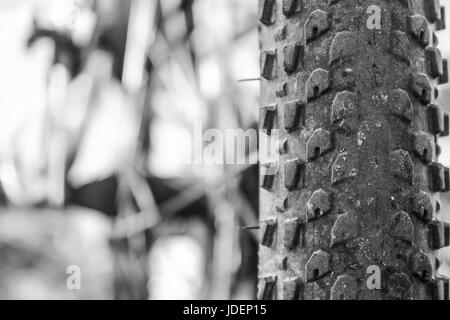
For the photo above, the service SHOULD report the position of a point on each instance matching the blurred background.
(97, 108)
(98, 103)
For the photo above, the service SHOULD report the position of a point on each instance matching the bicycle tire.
(357, 183)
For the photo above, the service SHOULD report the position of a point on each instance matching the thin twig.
(245, 228)
(249, 79)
